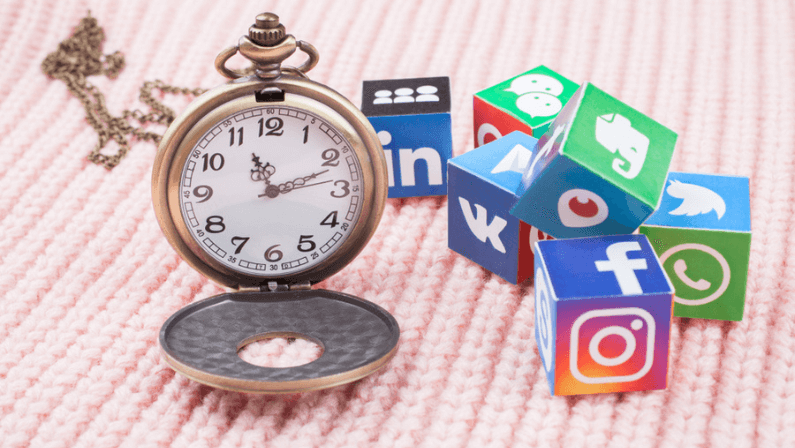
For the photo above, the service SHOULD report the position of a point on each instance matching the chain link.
(80, 56)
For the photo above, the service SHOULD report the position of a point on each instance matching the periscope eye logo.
(581, 208)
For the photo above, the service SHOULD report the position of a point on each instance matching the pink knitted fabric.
(87, 278)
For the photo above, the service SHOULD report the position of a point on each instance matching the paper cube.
(600, 169)
(481, 189)
(412, 119)
(527, 102)
(603, 314)
(702, 234)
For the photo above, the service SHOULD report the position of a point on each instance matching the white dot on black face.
(382, 101)
(404, 91)
(383, 93)
(427, 90)
(404, 99)
(427, 98)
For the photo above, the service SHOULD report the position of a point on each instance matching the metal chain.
(80, 56)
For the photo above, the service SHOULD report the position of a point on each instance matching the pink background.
(87, 278)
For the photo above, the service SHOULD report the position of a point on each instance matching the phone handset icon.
(680, 267)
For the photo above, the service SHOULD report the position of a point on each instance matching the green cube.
(527, 102)
(599, 170)
(702, 234)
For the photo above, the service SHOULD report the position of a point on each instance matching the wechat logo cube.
(599, 170)
(412, 119)
(702, 234)
(527, 103)
(480, 193)
(609, 330)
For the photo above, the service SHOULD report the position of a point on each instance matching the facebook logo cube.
(412, 119)
(603, 314)
(481, 189)
(599, 170)
(527, 102)
(702, 234)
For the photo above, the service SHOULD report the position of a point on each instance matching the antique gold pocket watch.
(267, 185)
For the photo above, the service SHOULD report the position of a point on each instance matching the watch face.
(271, 191)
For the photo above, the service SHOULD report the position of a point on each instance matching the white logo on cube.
(544, 319)
(623, 332)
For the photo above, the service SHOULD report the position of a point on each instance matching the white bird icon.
(695, 199)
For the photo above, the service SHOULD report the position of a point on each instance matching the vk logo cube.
(603, 314)
(481, 189)
(702, 233)
(527, 103)
(412, 119)
(599, 170)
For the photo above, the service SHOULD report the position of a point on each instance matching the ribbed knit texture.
(87, 278)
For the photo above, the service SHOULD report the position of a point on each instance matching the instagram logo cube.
(599, 169)
(527, 103)
(702, 234)
(481, 187)
(603, 314)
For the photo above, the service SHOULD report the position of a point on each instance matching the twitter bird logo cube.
(702, 234)
(527, 103)
(602, 314)
(599, 169)
(481, 188)
(412, 119)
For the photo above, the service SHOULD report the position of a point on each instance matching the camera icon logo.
(543, 319)
(592, 366)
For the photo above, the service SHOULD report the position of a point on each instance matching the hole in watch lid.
(280, 349)
(269, 95)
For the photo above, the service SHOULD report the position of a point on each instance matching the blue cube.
(481, 188)
(412, 119)
(603, 314)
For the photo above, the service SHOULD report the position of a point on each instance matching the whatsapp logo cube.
(702, 234)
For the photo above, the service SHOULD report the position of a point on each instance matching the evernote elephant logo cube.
(481, 189)
(603, 314)
(412, 119)
(527, 102)
(599, 170)
(702, 234)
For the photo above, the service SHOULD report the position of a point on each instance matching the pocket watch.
(267, 185)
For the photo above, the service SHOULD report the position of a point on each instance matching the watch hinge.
(275, 286)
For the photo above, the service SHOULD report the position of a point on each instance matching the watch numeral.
(330, 220)
(242, 240)
(305, 239)
(215, 224)
(272, 254)
(203, 191)
(330, 156)
(232, 136)
(214, 162)
(306, 133)
(343, 184)
(274, 124)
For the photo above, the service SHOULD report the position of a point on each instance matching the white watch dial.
(271, 191)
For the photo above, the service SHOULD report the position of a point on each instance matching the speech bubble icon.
(539, 104)
(536, 83)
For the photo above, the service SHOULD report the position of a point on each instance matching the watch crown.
(266, 31)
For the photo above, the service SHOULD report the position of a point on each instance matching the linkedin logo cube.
(599, 170)
(481, 189)
(527, 103)
(412, 119)
(602, 314)
(702, 234)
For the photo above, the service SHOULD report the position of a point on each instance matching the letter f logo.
(623, 267)
(480, 228)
